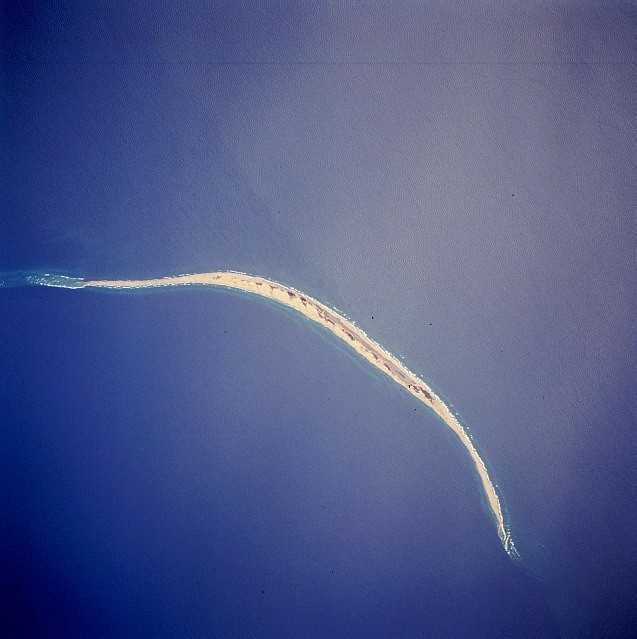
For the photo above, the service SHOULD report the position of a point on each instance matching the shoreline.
(340, 326)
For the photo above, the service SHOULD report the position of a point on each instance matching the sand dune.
(349, 333)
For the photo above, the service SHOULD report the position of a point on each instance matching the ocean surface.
(202, 463)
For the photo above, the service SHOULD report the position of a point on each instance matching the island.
(340, 326)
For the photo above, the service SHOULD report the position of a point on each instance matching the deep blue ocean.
(201, 463)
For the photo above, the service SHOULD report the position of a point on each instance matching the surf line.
(340, 326)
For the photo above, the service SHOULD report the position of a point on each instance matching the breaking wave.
(17, 279)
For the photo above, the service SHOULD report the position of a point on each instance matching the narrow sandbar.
(350, 334)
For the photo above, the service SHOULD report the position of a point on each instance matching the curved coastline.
(340, 326)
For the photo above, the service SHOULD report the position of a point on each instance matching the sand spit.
(349, 333)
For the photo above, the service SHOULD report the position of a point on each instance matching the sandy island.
(345, 330)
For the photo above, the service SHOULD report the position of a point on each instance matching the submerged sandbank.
(339, 326)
